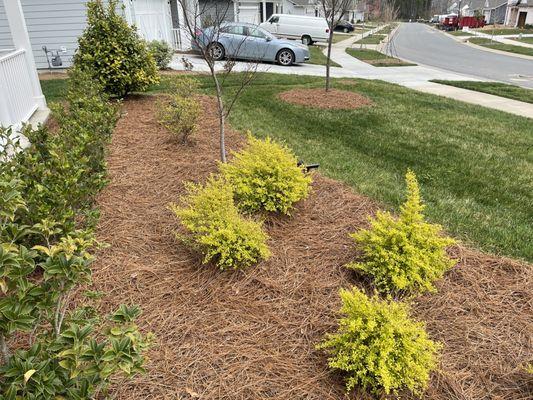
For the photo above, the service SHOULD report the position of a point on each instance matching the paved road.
(423, 44)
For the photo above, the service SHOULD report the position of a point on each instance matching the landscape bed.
(482, 197)
(252, 334)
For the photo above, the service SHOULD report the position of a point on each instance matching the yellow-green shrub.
(218, 230)
(265, 175)
(179, 115)
(379, 347)
(404, 253)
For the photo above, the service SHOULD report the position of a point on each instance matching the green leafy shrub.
(46, 199)
(179, 115)
(62, 169)
(161, 52)
(76, 364)
(265, 175)
(112, 51)
(379, 347)
(218, 230)
(404, 253)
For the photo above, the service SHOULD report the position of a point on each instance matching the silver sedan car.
(239, 40)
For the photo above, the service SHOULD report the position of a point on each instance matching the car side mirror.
(268, 39)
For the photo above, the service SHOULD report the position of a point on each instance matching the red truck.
(453, 22)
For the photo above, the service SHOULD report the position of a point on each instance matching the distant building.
(519, 13)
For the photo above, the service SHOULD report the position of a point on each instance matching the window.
(274, 20)
(255, 32)
(233, 29)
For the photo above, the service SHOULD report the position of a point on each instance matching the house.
(519, 13)
(310, 8)
(494, 11)
(57, 24)
(21, 97)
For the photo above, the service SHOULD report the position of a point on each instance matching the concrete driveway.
(425, 45)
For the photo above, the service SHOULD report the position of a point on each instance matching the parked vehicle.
(453, 22)
(306, 29)
(344, 26)
(241, 40)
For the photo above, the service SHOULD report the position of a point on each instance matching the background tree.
(204, 23)
(334, 11)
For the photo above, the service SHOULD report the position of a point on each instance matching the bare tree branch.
(204, 24)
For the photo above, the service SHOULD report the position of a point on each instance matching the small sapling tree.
(204, 23)
(333, 11)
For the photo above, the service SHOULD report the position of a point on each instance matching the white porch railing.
(17, 101)
(180, 39)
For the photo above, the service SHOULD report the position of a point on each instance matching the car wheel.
(285, 57)
(346, 30)
(216, 51)
(306, 40)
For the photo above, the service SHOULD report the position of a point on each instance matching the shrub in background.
(265, 175)
(404, 253)
(379, 347)
(218, 230)
(62, 170)
(112, 51)
(161, 52)
(180, 111)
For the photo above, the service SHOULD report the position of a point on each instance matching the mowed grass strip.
(372, 39)
(376, 58)
(528, 40)
(475, 164)
(495, 88)
(460, 33)
(505, 31)
(527, 51)
(316, 56)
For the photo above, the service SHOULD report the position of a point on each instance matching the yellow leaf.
(28, 375)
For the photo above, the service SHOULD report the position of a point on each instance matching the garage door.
(153, 19)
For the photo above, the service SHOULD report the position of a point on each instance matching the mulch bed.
(251, 334)
(334, 99)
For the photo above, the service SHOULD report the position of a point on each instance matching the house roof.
(303, 2)
(494, 3)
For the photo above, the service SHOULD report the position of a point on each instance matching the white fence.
(17, 103)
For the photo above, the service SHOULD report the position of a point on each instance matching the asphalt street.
(425, 45)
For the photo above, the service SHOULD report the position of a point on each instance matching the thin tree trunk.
(328, 61)
(221, 116)
(4, 350)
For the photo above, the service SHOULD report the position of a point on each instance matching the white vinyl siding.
(50, 23)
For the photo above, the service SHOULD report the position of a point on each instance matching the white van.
(306, 29)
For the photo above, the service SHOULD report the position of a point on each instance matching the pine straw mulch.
(251, 334)
(333, 99)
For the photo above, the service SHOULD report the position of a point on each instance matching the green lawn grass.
(318, 58)
(524, 40)
(460, 33)
(496, 88)
(505, 31)
(339, 37)
(372, 39)
(376, 58)
(474, 164)
(501, 46)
